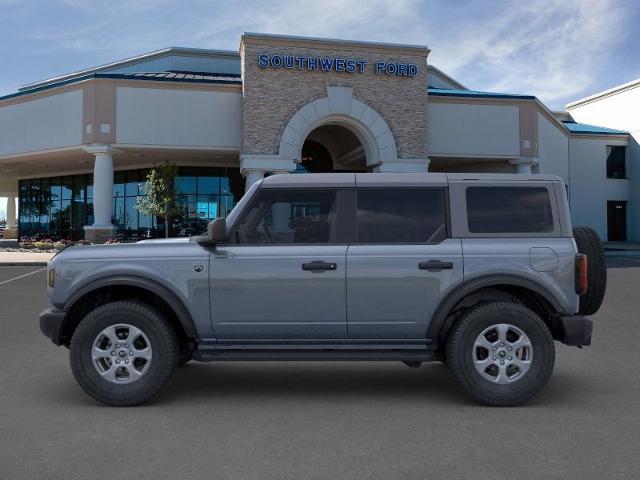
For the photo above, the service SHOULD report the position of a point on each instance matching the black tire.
(163, 342)
(589, 243)
(460, 353)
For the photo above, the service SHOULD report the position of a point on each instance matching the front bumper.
(52, 323)
(575, 330)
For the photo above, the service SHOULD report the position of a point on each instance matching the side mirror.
(217, 230)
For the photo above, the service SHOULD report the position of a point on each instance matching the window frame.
(445, 203)
(608, 150)
(459, 214)
(343, 227)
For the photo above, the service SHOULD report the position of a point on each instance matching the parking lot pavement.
(320, 420)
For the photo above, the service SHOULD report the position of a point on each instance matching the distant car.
(482, 272)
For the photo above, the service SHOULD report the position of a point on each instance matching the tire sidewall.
(154, 326)
(460, 353)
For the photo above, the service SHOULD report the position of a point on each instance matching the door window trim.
(342, 225)
(447, 215)
(458, 194)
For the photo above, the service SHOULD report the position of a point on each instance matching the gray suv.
(481, 272)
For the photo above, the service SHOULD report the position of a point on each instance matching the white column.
(11, 211)
(254, 166)
(524, 164)
(103, 189)
(102, 229)
(251, 177)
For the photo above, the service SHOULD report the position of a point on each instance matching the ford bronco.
(480, 271)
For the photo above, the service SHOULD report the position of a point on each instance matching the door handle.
(435, 265)
(319, 266)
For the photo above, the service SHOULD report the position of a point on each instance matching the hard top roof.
(394, 179)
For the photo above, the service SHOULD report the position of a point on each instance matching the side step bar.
(211, 355)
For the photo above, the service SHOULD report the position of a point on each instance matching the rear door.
(401, 263)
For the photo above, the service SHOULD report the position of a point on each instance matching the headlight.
(52, 278)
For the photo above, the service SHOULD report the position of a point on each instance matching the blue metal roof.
(444, 92)
(575, 127)
(187, 77)
(175, 75)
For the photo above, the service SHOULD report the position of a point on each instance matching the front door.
(617, 221)
(284, 275)
(401, 264)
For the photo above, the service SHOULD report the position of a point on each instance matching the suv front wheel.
(502, 353)
(123, 353)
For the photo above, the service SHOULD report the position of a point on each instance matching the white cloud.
(548, 48)
(554, 49)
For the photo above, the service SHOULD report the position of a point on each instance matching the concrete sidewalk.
(25, 258)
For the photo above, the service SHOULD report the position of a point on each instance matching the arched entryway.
(338, 133)
(332, 148)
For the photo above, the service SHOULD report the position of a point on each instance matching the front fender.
(177, 304)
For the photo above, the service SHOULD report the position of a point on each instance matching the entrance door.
(401, 263)
(284, 278)
(617, 221)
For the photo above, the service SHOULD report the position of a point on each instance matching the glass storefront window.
(118, 184)
(187, 184)
(209, 185)
(60, 207)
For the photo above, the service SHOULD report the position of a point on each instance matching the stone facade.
(272, 96)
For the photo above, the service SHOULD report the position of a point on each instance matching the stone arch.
(340, 108)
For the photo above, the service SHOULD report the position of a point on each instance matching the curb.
(23, 264)
(622, 253)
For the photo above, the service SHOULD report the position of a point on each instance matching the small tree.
(160, 193)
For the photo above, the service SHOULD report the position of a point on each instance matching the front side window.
(509, 210)
(289, 217)
(616, 161)
(411, 215)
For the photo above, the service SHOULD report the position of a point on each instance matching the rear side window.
(412, 215)
(509, 210)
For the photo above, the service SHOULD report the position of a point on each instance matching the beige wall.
(169, 117)
(473, 129)
(553, 148)
(50, 122)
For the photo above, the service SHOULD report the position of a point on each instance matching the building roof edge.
(603, 93)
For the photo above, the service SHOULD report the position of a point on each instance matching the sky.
(558, 50)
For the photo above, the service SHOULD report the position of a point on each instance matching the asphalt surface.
(320, 420)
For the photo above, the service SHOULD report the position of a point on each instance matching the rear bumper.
(51, 324)
(575, 330)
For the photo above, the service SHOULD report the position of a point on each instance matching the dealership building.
(75, 149)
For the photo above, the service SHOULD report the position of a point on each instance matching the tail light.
(582, 274)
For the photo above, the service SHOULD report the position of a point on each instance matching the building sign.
(331, 64)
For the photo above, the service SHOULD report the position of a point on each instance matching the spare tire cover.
(589, 243)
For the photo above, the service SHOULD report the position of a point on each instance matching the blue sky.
(558, 50)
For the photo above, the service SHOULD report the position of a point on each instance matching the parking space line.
(22, 276)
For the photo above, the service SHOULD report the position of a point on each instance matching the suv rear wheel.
(502, 353)
(123, 353)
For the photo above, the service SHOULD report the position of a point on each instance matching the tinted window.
(401, 216)
(616, 163)
(509, 210)
(289, 216)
